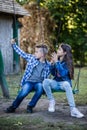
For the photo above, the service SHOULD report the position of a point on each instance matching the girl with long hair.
(62, 70)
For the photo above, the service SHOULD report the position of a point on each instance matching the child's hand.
(13, 41)
(54, 58)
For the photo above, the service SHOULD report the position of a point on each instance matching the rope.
(16, 39)
(76, 86)
(14, 20)
(40, 22)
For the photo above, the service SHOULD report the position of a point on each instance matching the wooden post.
(16, 60)
(3, 82)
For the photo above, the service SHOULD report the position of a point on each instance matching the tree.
(71, 25)
(70, 17)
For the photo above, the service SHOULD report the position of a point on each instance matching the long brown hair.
(68, 58)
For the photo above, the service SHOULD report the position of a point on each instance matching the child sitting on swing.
(63, 71)
(37, 69)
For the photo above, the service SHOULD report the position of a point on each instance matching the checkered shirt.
(31, 63)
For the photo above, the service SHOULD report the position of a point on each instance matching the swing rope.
(41, 38)
(14, 21)
(76, 86)
(15, 30)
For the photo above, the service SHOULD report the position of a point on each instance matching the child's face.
(39, 53)
(60, 52)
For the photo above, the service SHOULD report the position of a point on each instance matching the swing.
(75, 88)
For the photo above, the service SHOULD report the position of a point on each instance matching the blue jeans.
(49, 84)
(26, 89)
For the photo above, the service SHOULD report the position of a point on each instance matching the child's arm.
(19, 51)
(62, 69)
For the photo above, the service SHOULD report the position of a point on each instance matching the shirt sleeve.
(21, 52)
(61, 68)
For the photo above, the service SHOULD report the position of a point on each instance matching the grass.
(14, 87)
(25, 122)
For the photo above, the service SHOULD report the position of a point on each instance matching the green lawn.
(24, 122)
(81, 97)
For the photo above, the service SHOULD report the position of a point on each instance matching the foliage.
(71, 24)
(22, 2)
(36, 29)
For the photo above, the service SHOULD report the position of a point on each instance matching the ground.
(62, 113)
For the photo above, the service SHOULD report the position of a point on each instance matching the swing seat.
(76, 91)
(58, 91)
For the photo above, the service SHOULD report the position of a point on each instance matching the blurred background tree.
(70, 18)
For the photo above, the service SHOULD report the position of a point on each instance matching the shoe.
(76, 113)
(51, 107)
(29, 109)
(10, 110)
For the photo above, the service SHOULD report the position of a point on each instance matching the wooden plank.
(7, 6)
(5, 36)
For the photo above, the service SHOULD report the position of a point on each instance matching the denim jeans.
(49, 84)
(26, 89)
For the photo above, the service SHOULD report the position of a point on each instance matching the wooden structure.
(10, 11)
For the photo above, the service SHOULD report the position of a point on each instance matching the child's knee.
(66, 85)
(45, 81)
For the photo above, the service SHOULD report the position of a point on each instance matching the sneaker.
(29, 109)
(76, 113)
(10, 110)
(51, 107)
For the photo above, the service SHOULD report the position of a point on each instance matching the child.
(37, 69)
(63, 71)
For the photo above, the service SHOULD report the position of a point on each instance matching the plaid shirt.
(31, 63)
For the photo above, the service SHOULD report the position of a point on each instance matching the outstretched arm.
(19, 51)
